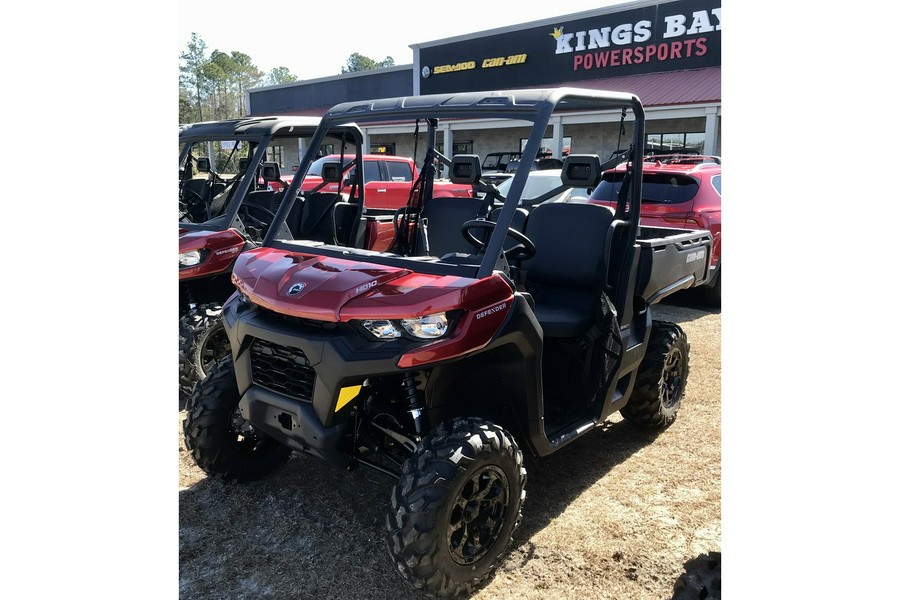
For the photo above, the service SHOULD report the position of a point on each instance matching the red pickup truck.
(388, 180)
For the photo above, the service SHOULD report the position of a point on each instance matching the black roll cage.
(534, 105)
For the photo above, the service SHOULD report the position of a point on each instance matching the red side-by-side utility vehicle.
(231, 183)
(486, 331)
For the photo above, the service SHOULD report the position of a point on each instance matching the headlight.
(189, 259)
(429, 327)
(384, 330)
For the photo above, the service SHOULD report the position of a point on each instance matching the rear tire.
(701, 580)
(455, 508)
(202, 341)
(661, 378)
(221, 442)
(713, 294)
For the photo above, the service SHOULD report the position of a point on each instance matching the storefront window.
(547, 146)
(464, 147)
(275, 154)
(389, 149)
(674, 143)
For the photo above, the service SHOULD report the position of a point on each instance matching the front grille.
(282, 369)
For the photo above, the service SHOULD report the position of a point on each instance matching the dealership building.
(667, 53)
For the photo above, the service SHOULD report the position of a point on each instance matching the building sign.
(670, 36)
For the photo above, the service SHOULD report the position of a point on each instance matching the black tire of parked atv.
(661, 378)
(201, 342)
(455, 507)
(712, 295)
(701, 580)
(221, 442)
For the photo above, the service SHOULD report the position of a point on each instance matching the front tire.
(456, 505)
(221, 442)
(202, 341)
(661, 378)
(701, 580)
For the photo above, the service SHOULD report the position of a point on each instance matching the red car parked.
(679, 191)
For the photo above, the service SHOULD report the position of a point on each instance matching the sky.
(326, 37)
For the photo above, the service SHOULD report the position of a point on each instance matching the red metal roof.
(696, 86)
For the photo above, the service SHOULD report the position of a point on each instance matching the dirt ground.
(614, 516)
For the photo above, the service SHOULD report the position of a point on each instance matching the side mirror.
(203, 164)
(243, 163)
(465, 169)
(581, 170)
(270, 171)
(332, 171)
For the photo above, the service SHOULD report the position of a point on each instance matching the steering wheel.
(195, 196)
(244, 211)
(523, 250)
(193, 203)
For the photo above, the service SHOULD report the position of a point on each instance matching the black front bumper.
(297, 378)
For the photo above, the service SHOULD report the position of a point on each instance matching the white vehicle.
(540, 187)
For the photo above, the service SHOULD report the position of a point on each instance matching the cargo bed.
(671, 259)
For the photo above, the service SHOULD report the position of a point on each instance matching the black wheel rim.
(215, 346)
(477, 515)
(673, 378)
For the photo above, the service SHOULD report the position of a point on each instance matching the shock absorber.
(414, 399)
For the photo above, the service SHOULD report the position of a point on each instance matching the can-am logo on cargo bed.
(698, 255)
(296, 289)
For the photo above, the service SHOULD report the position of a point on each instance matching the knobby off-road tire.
(661, 378)
(455, 508)
(202, 341)
(221, 442)
(701, 580)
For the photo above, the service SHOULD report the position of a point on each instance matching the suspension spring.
(414, 399)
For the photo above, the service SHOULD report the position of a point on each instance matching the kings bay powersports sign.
(669, 36)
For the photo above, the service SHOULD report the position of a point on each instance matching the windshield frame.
(536, 107)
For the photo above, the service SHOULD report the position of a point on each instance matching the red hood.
(336, 289)
(214, 240)
(222, 248)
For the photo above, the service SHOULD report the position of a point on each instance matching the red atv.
(488, 330)
(227, 202)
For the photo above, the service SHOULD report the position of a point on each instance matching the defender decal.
(491, 310)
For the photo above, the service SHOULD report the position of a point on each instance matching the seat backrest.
(445, 220)
(518, 223)
(317, 218)
(570, 244)
(262, 198)
(344, 214)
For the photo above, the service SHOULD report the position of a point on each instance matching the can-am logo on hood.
(296, 289)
